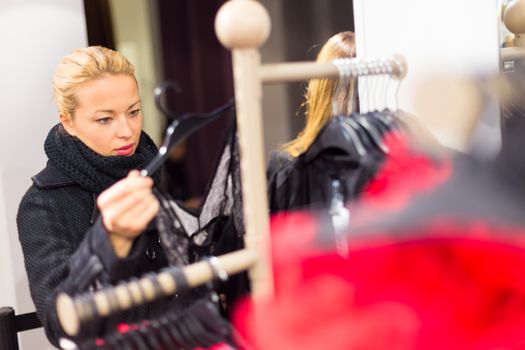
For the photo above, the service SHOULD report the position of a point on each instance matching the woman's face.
(108, 118)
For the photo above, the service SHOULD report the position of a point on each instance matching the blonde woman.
(85, 219)
(294, 181)
(321, 92)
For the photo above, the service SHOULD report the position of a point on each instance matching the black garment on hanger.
(198, 326)
(215, 228)
(305, 182)
(479, 191)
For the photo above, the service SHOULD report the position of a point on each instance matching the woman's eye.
(103, 121)
(134, 113)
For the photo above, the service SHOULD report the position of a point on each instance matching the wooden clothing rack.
(73, 311)
(242, 26)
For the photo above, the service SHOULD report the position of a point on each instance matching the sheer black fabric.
(215, 228)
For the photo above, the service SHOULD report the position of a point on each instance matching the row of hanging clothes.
(351, 147)
(185, 322)
(444, 261)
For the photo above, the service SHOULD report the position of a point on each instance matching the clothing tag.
(340, 216)
(67, 344)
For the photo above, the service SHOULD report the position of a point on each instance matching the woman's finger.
(114, 210)
(133, 221)
(122, 188)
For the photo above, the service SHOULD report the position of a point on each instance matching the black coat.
(66, 248)
(305, 182)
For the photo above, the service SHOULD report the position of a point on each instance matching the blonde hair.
(84, 65)
(320, 93)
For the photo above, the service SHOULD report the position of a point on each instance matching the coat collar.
(51, 177)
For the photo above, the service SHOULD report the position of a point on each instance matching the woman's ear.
(67, 123)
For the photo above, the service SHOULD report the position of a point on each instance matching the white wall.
(436, 37)
(34, 36)
(8, 291)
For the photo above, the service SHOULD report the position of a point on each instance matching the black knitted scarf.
(89, 169)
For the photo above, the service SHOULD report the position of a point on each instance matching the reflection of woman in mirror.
(67, 245)
(320, 92)
(318, 101)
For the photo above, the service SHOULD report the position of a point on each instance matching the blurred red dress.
(436, 261)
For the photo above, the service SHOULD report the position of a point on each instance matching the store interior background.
(175, 40)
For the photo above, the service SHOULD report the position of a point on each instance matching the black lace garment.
(215, 228)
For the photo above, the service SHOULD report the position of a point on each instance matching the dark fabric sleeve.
(278, 171)
(58, 258)
(278, 161)
(115, 269)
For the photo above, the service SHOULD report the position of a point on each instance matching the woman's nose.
(124, 128)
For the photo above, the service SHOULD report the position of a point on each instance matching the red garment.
(404, 173)
(459, 288)
(451, 281)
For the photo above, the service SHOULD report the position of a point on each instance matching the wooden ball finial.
(242, 24)
(514, 17)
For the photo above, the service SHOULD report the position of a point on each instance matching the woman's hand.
(126, 208)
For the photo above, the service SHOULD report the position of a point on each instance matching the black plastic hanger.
(149, 335)
(202, 336)
(162, 334)
(180, 129)
(380, 123)
(122, 342)
(160, 91)
(117, 340)
(110, 342)
(372, 132)
(169, 330)
(180, 333)
(137, 340)
(359, 135)
(188, 330)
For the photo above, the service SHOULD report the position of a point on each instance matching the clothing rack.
(242, 26)
(395, 66)
(73, 311)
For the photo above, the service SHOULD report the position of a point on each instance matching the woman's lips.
(125, 150)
